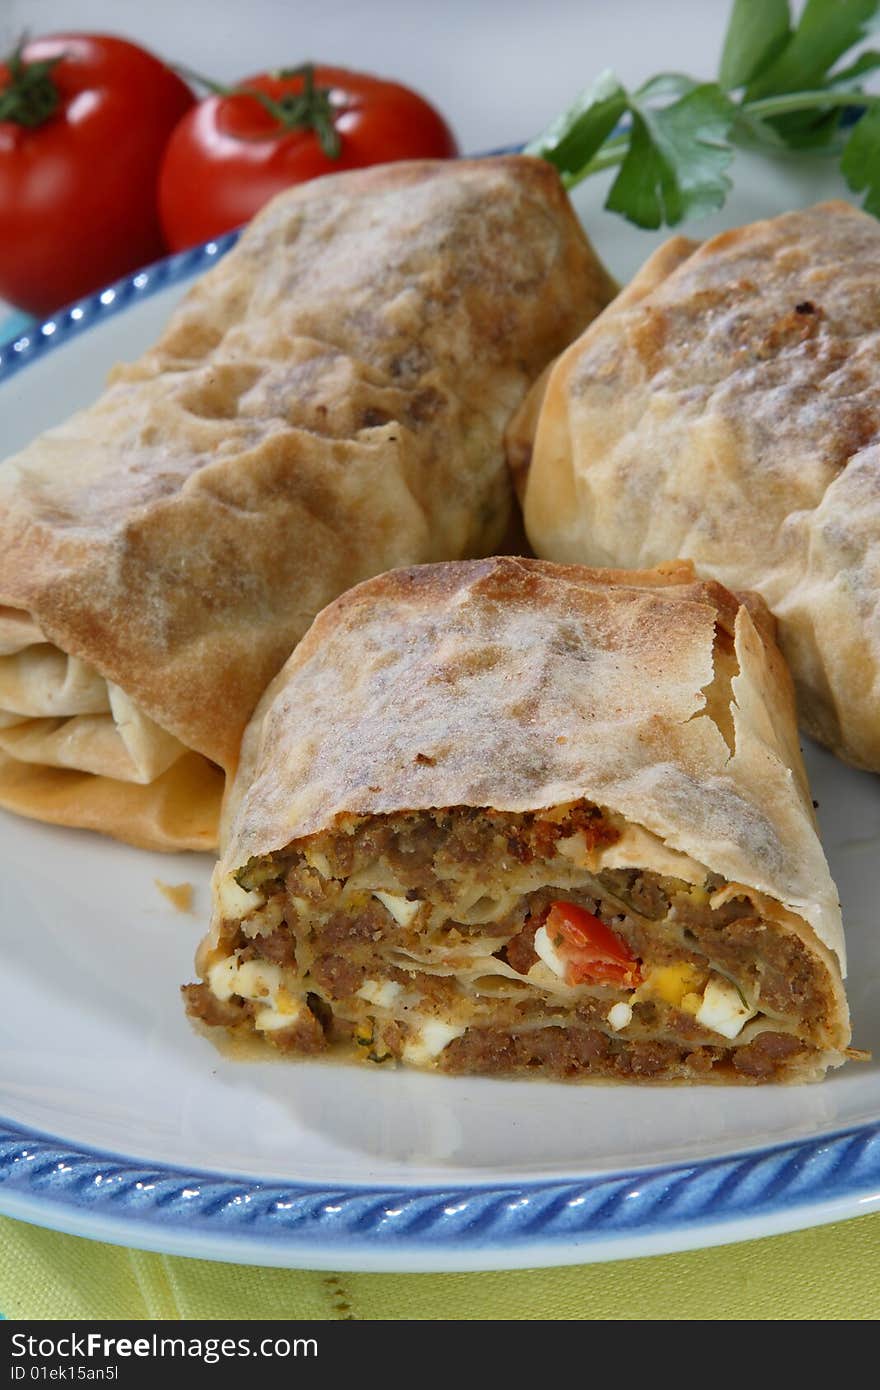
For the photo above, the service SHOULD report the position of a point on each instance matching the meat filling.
(485, 942)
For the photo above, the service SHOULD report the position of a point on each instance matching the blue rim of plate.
(124, 1200)
(245, 1220)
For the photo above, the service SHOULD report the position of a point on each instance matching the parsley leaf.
(860, 163)
(826, 30)
(756, 33)
(676, 146)
(666, 84)
(572, 140)
(677, 157)
(866, 62)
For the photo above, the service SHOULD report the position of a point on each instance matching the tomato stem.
(310, 109)
(30, 96)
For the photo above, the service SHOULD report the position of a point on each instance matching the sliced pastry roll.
(328, 402)
(509, 817)
(726, 408)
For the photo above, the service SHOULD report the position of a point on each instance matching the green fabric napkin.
(831, 1272)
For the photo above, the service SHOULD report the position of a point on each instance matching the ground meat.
(278, 947)
(768, 959)
(786, 972)
(559, 1051)
(702, 1059)
(485, 1051)
(591, 824)
(439, 992)
(588, 1052)
(391, 1036)
(527, 843)
(422, 846)
(531, 837)
(305, 1035)
(520, 952)
(337, 975)
(655, 942)
(763, 1057)
(474, 838)
(409, 846)
(659, 918)
(369, 923)
(217, 1013)
(650, 1058)
(772, 960)
(304, 882)
(344, 855)
(641, 892)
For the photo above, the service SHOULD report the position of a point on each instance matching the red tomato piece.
(230, 154)
(84, 119)
(592, 952)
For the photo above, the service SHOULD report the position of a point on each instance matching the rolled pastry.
(328, 402)
(726, 408)
(509, 817)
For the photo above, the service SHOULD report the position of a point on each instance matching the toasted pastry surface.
(328, 402)
(727, 408)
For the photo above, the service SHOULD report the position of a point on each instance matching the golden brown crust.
(441, 734)
(179, 810)
(517, 684)
(520, 435)
(327, 403)
(732, 414)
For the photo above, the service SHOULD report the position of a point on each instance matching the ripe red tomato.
(84, 119)
(593, 953)
(230, 154)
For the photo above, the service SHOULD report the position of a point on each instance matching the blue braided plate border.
(35, 342)
(128, 1201)
(270, 1221)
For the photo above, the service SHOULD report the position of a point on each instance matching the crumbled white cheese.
(402, 910)
(319, 861)
(619, 1016)
(548, 953)
(221, 977)
(429, 1040)
(262, 982)
(382, 993)
(268, 1020)
(254, 979)
(574, 847)
(722, 1008)
(265, 919)
(234, 901)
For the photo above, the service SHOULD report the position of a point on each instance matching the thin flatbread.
(726, 408)
(327, 403)
(558, 825)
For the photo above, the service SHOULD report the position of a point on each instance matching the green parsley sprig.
(781, 85)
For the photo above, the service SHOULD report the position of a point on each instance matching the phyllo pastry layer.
(328, 402)
(726, 408)
(510, 817)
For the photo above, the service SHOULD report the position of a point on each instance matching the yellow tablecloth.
(829, 1272)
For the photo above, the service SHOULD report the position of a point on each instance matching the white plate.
(121, 1123)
